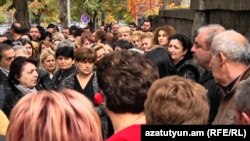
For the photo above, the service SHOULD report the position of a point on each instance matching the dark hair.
(25, 41)
(125, 77)
(186, 43)
(16, 69)
(53, 26)
(4, 47)
(85, 55)
(17, 28)
(65, 51)
(8, 41)
(123, 44)
(163, 61)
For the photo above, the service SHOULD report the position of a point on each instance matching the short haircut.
(242, 97)
(125, 77)
(65, 43)
(17, 28)
(54, 116)
(123, 44)
(125, 29)
(233, 44)
(16, 69)
(22, 49)
(85, 55)
(65, 52)
(176, 100)
(4, 47)
(212, 30)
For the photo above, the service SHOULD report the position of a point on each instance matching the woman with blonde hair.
(54, 116)
(45, 45)
(47, 62)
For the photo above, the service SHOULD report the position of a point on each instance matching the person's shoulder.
(131, 133)
(3, 123)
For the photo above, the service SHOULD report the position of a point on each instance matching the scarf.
(24, 90)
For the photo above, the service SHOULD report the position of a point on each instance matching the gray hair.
(22, 49)
(66, 43)
(234, 45)
(212, 30)
(242, 96)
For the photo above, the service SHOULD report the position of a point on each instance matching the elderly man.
(201, 50)
(230, 53)
(242, 102)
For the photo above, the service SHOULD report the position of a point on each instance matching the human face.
(162, 38)
(55, 43)
(146, 26)
(44, 47)
(49, 63)
(137, 42)
(176, 51)
(125, 36)
(29, 76)
(29, 49)
(100, 53)
(64, 63)
(65, 33)
(85, 68)
(35, 34)
(201, 52)
(87, 43)
(7, 57)
(146, 44)
(215, 65)
(115, 28)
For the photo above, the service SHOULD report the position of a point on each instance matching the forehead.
(162, 32)
(7, 53)
(28, 66)
(146, 23)
(34, 29)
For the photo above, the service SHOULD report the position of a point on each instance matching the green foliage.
(2, 18)
(46, 10)
(2, 2)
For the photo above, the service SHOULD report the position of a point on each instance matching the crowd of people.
(80, 84)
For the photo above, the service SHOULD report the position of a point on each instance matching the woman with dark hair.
(85, 81)
(162, 60)
(123, 44)
(65, 61)
(179, 47)
(22, 79)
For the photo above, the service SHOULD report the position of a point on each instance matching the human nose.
(193, 49)
(35, 73)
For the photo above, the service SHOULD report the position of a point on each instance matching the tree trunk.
(92, 23)
(21, 14)
(37, 18)
(64, 13)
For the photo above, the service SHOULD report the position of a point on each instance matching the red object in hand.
(98, 98)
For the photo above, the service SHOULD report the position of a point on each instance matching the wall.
(232, 14)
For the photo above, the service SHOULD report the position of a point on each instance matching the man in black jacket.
(201, 50)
